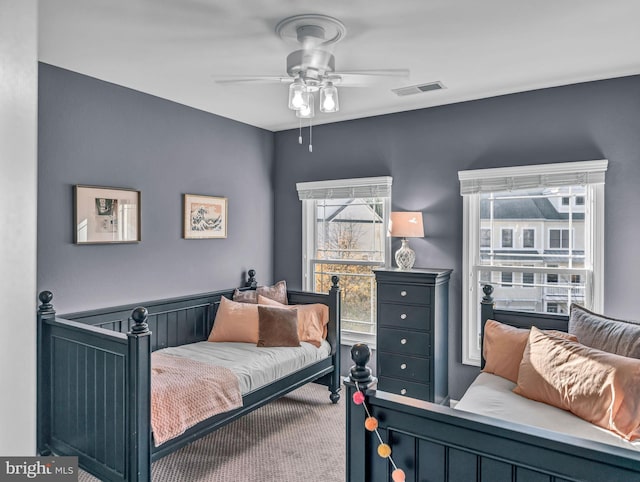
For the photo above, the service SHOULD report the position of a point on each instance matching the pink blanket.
(185, 392)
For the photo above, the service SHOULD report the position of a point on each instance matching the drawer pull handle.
(403, 391)
(403, 341)
(403, 293)
(403, 316)
(403, 366)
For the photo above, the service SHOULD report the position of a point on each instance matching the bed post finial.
(488, 291)
(139, 316)
(251, 281)
(335, 280)
(46, 308)
(360, 373)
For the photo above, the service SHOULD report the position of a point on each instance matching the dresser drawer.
(403, 387)
(403, 366)
(405, 316)
(404, 342)
(404, 293)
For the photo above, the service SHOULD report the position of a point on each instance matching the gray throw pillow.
(607, 334)
(245, 296)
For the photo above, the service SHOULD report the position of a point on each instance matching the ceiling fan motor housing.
(311, 65)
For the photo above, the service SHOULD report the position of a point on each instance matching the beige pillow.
(600, 387)
(277, 326)
(604, 333)
(235, 322)
(312, 320)
(503, 346)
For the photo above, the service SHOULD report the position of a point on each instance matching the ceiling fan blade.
(254, 78)
(394, 73)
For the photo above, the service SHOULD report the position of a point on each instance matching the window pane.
(485, 238)
(507, 238)
(528, 238)
(525, 213)
(357, 284)
(350, 229)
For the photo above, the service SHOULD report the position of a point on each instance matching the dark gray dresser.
(412, 327)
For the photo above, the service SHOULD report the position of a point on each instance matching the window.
(575, 279)
(345, 233)
(528, 238)
(558, 239)
(552, 308)
(532, 197)
(485, 238)
(507, 238)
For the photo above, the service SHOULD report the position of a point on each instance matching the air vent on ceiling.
(418, 89)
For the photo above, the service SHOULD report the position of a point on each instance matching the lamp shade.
(406, 225)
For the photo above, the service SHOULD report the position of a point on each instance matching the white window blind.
(527, 177)
(365, 187)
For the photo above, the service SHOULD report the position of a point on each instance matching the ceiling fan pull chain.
(310, 135)
(300, 131)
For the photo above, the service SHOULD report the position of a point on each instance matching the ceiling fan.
(311, 66)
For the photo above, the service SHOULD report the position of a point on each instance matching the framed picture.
(106, 215)
(205, 217)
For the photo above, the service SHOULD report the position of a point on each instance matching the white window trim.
(309, 192)
(473, 182)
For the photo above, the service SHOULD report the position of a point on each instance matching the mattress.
(254, 366)
(492, 396)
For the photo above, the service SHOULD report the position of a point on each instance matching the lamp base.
(405, 256)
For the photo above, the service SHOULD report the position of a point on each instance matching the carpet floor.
(298, 438)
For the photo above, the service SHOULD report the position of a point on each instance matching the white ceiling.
(175, 49)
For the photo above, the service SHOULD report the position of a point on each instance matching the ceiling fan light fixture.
(307, 111)
(297, 92)
(329, 98)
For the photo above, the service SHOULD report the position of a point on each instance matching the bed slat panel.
(494, 470)
(87, 402)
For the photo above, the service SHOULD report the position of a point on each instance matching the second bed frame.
(436, 443)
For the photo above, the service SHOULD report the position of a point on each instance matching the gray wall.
(424, 149)
(96, 133)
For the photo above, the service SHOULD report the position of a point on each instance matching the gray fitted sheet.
(254, 366)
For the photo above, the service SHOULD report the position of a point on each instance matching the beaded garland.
(371, 424)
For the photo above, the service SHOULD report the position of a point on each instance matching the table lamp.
(406, 225)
